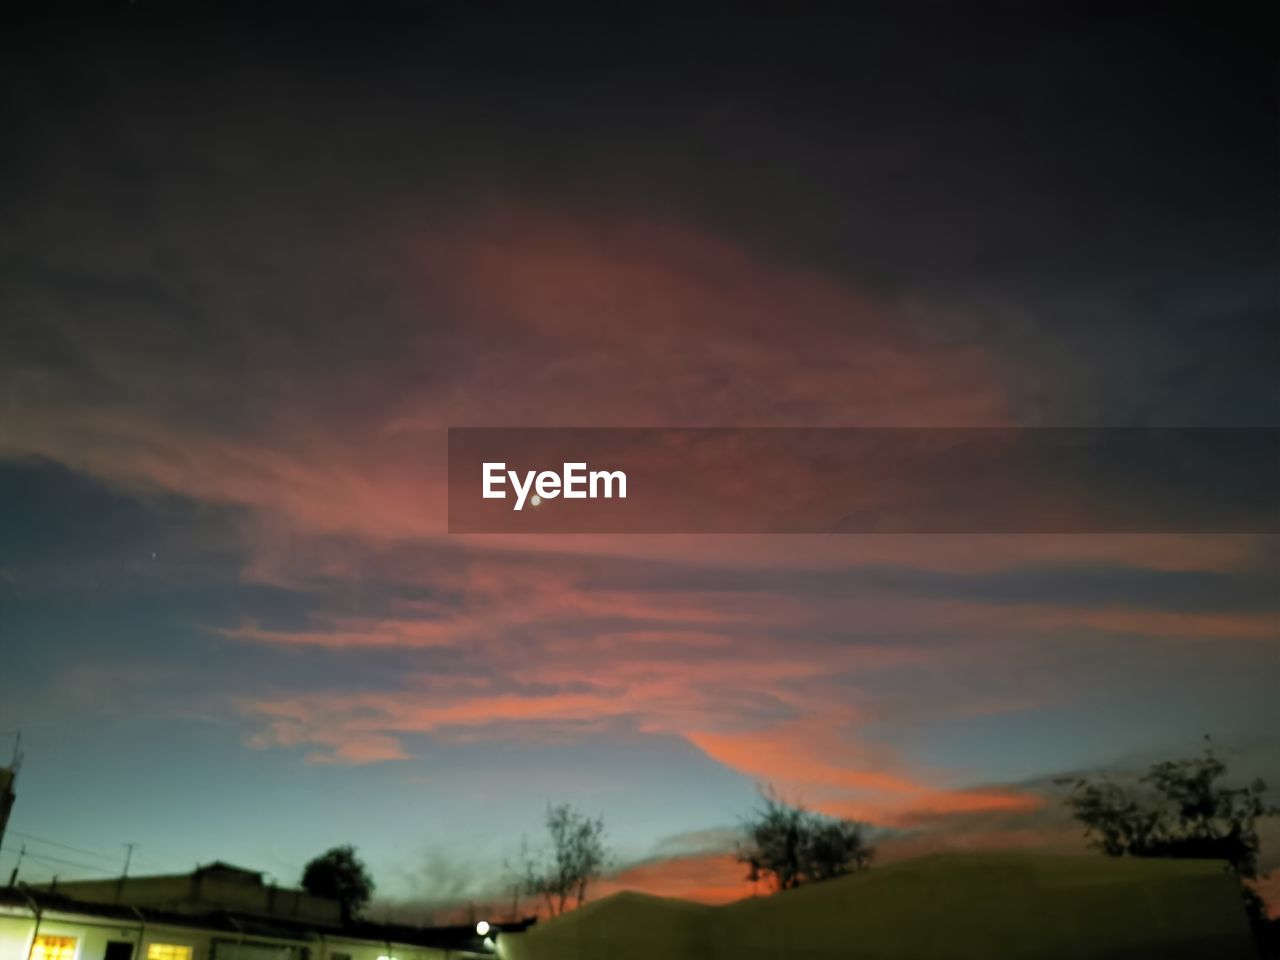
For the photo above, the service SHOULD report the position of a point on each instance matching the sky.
(253, 266)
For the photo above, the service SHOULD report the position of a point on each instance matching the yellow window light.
(53, 948)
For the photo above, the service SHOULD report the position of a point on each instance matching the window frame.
(39, 952)
(169, 951)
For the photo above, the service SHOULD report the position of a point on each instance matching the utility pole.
(13, 877)
(7, 777)
(124, 874)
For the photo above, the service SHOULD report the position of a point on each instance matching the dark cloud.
(1090, 188)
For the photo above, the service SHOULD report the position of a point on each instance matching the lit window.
(168, 951)
(53, 948)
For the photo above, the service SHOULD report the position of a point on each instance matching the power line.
(69, 863)
(47, 860)
(113, 858)
(64, 846)
(54, 864)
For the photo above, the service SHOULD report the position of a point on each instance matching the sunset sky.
(252, 268)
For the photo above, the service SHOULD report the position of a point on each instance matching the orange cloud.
(715, 876)
(340, 476)
(1268, 888)
(816, 762)
(522, 317)
(704, 877)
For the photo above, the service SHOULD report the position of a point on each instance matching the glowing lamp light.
(482, 928)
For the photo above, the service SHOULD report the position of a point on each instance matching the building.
(940, 907)
(213, 887)
(217, 912)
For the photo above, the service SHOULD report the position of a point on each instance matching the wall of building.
(944, 906)
(18, 927)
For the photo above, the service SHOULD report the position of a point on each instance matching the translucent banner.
(863, 480)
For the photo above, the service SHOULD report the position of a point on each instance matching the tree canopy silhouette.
(338, 874)
(794, 846)
(1179, 809)
(561, 873)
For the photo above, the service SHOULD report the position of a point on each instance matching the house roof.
(460, 937)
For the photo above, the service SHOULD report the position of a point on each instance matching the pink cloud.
(522, 318)
(530, 320)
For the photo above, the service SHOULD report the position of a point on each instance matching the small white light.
(482, 928)
(535, 500)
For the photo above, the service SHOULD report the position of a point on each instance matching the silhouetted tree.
(795, 846)
(562, 873)
(338, 874)
(1178, 810)
(520, 877)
